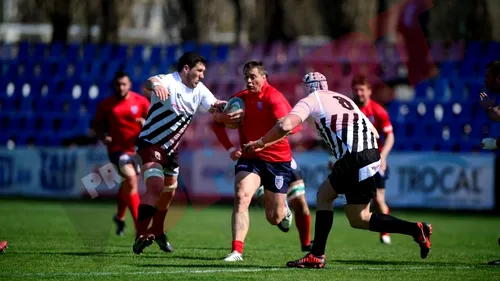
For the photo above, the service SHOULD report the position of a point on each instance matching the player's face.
(361, 94)
(122, 86)
(254, 80)
(195, 74)
(491, 83)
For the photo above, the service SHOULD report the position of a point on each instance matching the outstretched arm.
(278, 132)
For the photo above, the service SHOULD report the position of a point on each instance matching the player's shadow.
(206, 248)
(403, 263)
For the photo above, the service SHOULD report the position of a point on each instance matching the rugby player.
(352, 139)
(362, 92)
(118, 122)
(492, 82)
(264, 106)
(177, 97)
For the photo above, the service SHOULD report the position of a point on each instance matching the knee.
(242, 201)
(299, 205)
(273, 217)
(359, 221)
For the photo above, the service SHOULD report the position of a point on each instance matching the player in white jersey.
(177, 98)
(352, 140)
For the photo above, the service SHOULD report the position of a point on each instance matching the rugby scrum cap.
(314, 81)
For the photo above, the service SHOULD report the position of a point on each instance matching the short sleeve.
(207, 98)
(280, 106)
(100, 114)
(145, 107)
(305, 107)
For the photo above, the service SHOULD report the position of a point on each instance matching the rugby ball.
(233, 105)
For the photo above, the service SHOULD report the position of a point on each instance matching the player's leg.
(154, 178)
(163, 204)
(358, 213)
(324, 221)
(129, 190)
(247, 181)
(276, 180)
(121, 203)
(380, 204)
(298, 202)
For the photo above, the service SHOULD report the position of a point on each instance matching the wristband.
(231, 150)
(156, 84)
(261, 143)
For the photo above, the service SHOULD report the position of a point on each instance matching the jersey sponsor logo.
(134, 109)
(278, 182)
(157, 155)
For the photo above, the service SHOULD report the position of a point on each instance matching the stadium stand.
(49, 92)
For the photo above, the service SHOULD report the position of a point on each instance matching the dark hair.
(494, 67)
(120, 74)
(360, 80)
(190, 59)
(255, 64)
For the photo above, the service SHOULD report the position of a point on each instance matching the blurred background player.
(352, 140)
(118, 122)
(264, 106)
(298, 202)
(492, 82)
(177, 97)
(362, 91)
(3, 246)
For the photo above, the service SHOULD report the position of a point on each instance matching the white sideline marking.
(227, 270)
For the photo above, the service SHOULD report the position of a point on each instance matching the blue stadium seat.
(89, 52)
(492, 51)
(56, 49)
(222, 53)
(188, 46)
(72, 52)
(474, 51)
(448, 69)
(40, 51)
(137, 54)
(206, 51)
(23, 50)
(121, 52)
(171, 53)
(104, 52)
(421, 90)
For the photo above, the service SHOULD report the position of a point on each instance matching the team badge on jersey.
(278, 182)
(372, 118)
(259, 105)
(134, 109)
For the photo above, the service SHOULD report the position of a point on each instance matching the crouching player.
(352, 139)
(297, 200)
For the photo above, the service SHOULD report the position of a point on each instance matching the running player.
(362, 92)
(352, 140)
(492, 82)
(177, 98)
(297, 200)
(264, 106)
(117, 123)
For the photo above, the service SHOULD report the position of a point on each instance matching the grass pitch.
(75, 241)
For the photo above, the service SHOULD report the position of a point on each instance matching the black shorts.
(352, 175)
(381, 179)
(296, 173)
(120, 158)
(275, 177)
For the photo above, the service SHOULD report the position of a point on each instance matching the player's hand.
(383, 165)
(107, 140)
(161, 92)
(253, 146)
(485, 101)
(218, 106)
(228, 118)
(489, 144)
(140, 120)
(235, 155)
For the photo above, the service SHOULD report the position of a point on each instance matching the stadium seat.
(222, 53)
(206, 51)
(40, 51)
(137, 53)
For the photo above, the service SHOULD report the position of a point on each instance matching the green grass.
(75, 241)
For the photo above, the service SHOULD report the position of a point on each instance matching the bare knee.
(242, 201)
(274, 217)
(299, 205)
(359, 220)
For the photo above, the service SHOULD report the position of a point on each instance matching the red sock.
(158, 223)
(238, 246)
(303, 223)
(121, 205)
(133, 204)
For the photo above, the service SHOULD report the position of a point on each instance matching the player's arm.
(155, 84)
(282, 129)
(281, 108)
(221, 134)
(215, 107)
(388, 133)
(493, 113)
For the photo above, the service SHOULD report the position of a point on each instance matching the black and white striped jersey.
(168, 120)
(339, 122)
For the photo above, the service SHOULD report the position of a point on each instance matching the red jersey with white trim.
(379, 118)
(120, 116)
(262, 111)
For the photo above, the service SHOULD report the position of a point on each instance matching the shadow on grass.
(401, 263)
(214, 266)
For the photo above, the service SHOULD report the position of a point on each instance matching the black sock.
(322, 227)
(145, 212)
(390, 224)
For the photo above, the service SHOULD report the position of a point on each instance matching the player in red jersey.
(3, 246)
(362, 92)
(264, 106)
(118, 122)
